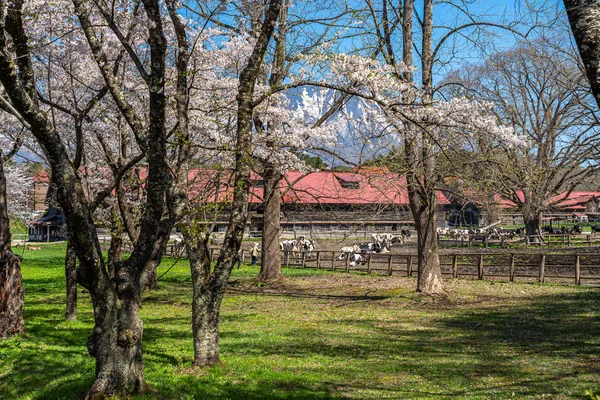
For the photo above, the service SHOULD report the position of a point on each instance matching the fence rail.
(565, 267)
(576, 268)
(546, 240)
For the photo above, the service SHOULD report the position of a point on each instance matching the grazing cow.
(443, 231)
(397, 239)
(459, 233)
(355, 248)
(370, 247)
(376, 237)
(595, 228)
(384, 239)
(288, 246)
(309, 245)
(355, 259)
(571, 231)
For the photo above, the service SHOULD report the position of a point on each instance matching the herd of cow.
(499, 232)
(480, 234)
(357, 253)
(382, 242)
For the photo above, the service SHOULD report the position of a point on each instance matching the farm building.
(38, 191)
(323, 202)
(49, 228)
(328, 204)
(578, 206)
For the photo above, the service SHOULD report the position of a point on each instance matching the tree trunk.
(583, 17)
(209, 288)
(429, 273)
(533, 223)
(151, 282)
(206, 304)
(116, 341)
(11, 295)
(71, 277)
(205, 323)
(270, 268)
(115, 254)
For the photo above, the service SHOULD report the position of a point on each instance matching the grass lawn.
(324, 335)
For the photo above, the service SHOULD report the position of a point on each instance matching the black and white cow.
(353, 258)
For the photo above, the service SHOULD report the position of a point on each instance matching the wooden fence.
(546, 240)
(572, 267)
(565, 267)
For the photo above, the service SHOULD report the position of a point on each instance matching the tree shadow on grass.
(545, 345)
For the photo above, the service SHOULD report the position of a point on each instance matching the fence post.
(569, 241)
(348, 262)
(542, 268)
(589, 240)
(303, 259)
(455, 266)
(511, 276)
(577, 270)
(369, 264)
(318, 257)
(480, 267)
(243, 256)
(333, 260)
(409, 266)
(390, 265)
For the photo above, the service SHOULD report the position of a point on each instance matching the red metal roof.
(41, 177)
(574, 201)
(322, 187)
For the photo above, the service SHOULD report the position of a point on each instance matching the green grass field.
(324, 335)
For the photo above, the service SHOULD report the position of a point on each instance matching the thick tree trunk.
(583, 17)
(116, 341)
(11, 295)
(533, 223)
(71, 277)
(11, 285)
(429, 272)
(205, 323)
(270, 268)
(206, 304)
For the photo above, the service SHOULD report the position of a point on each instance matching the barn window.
(348, 184)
